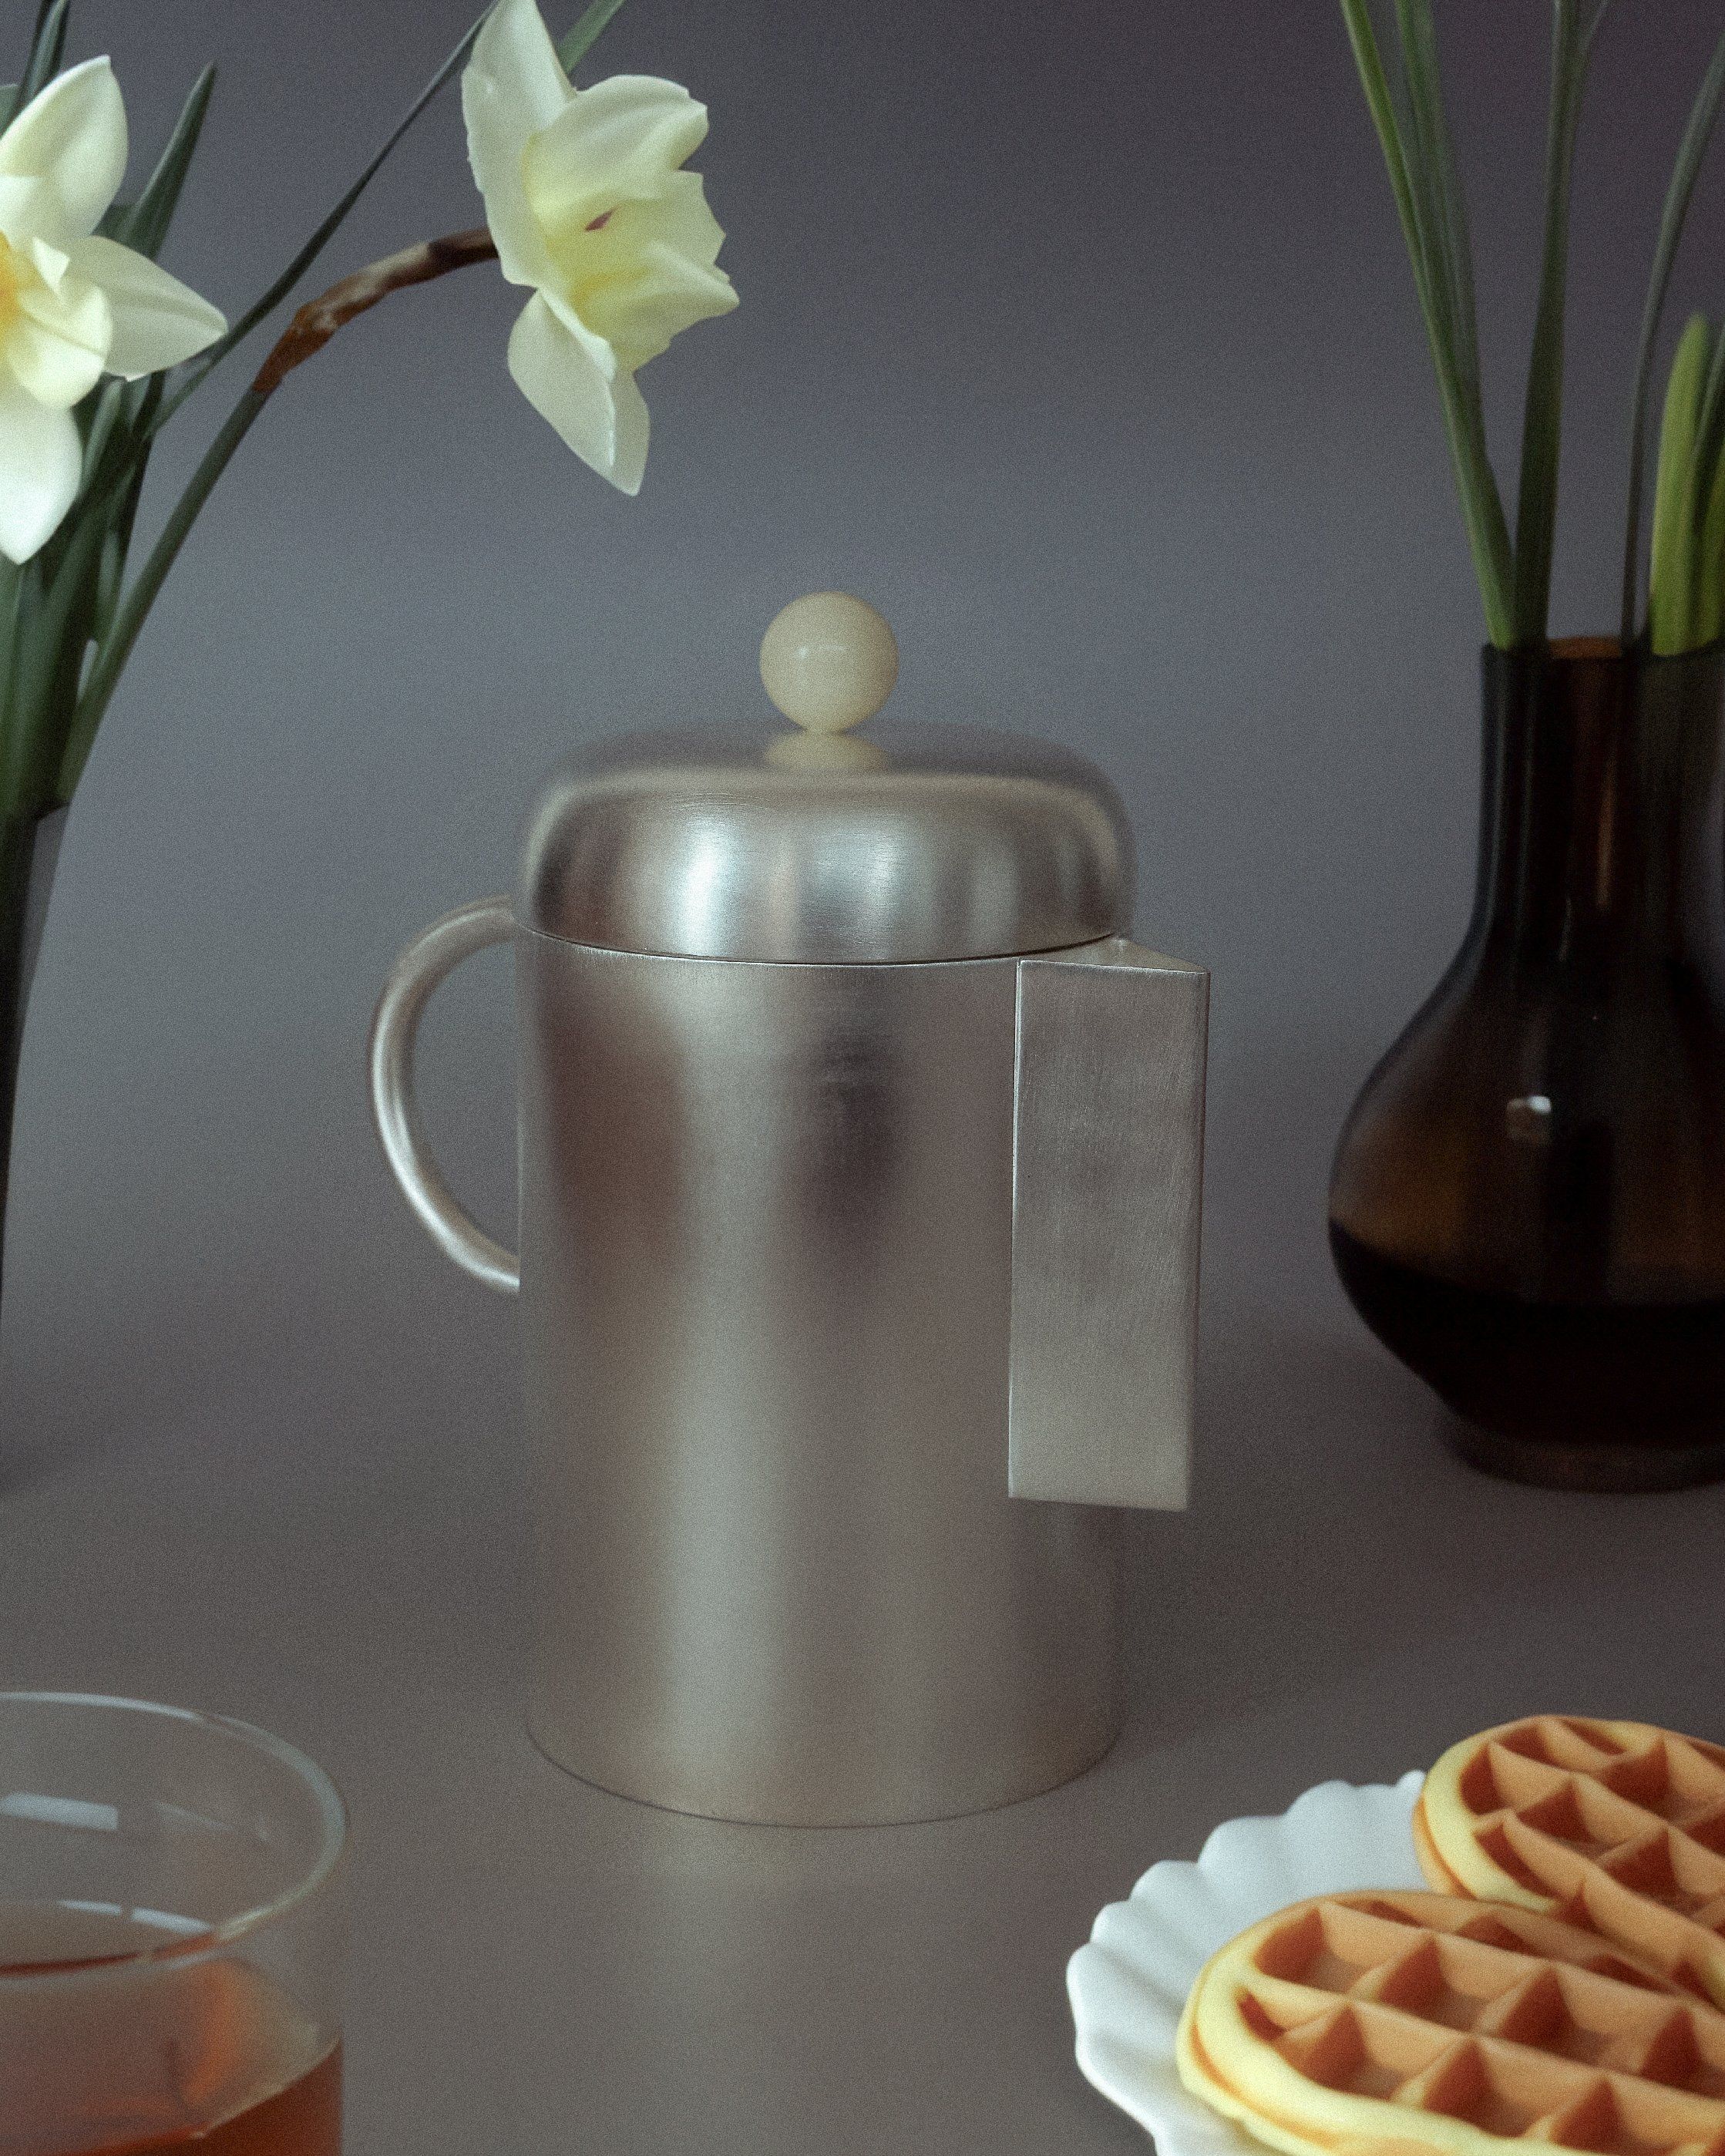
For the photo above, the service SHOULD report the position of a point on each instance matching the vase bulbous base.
(1621, 1398)
(1628, 1469)
(1527, 1204)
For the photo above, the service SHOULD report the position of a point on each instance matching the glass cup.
(171, 1934)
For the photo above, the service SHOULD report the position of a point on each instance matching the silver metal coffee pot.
(859, 1176)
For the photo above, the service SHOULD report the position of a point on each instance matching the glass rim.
(332, 1817)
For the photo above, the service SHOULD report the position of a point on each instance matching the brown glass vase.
(29, 847)
(1527, 1205)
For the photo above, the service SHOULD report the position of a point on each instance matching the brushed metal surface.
(432, 955)
(767, 1224)
(953, 842)
(1107, 1176)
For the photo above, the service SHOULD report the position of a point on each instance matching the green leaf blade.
(1446, 213)
(199, 370)
(130, 614)
(144, 225)
(1671, 579)
(1542, 410)
(1709, 602)
(1697, 133)
(1429, 202)
(48, 50)
(576, 42)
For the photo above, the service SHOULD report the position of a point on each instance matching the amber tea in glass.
(170, 1935)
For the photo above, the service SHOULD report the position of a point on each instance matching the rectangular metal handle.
(1107, 1174)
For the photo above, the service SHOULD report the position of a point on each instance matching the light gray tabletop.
(317, 1538)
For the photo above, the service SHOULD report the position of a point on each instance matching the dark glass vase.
(1529, 1200)
(29, 847)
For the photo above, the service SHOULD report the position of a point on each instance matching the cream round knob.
(829, 661)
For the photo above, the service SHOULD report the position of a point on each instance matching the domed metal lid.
(912, 843)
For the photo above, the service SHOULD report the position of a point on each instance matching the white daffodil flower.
(72, 307)
(587, 205)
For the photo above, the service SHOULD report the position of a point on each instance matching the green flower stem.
(71, 604)
(574, 46)
(316, 322)
(311, 328)
(134, 608)
(198, 370)
(15, 614)
(58, 633)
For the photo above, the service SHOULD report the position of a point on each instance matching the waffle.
(1614, 1825)
(1408, 2024)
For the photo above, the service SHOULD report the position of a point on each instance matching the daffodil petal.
(587, 203)
(615, 142)
(513, 86)
(514, 51)
(57, 370)
(23, 205)
(56, 373)
(650, 274)
(56, 341)
(671, 295)
(41, 462)
(157, 322)
(497, 170)
(51, 265)
(632, 428)
(72, 137)
(681, 218)
(571, 378)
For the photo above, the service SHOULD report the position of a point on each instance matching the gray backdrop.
(1078, 340)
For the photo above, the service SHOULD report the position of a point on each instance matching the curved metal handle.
(433, 954)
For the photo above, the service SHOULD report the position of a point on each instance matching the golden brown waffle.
(1614, 1825)
(1416, 2023)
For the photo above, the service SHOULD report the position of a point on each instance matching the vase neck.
(28, 847)
(1601, 830)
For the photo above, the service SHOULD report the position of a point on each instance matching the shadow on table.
(1330, 1529)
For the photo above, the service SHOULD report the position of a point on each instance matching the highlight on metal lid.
(845, 838)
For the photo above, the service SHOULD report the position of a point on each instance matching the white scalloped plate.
(1128, 1985)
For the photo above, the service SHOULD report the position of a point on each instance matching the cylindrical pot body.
(859, 1199)
(1528, 1200)
(766, 1279)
